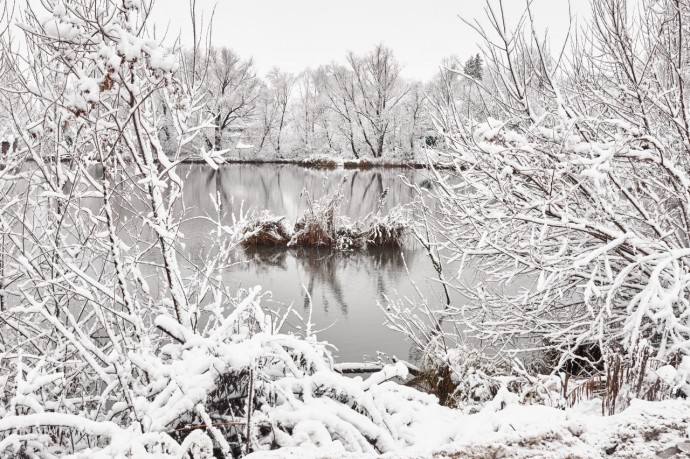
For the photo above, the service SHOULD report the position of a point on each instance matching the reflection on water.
(278, 187)
(343, 287)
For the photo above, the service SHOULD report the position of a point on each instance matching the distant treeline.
(361, 109)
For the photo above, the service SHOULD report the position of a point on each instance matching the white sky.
(295, 34)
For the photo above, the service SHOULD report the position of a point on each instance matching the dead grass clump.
(366, 164)
(385, 234)
(320, 226)
(351, 164)
(317, 227)
(266, 230)
(439, 382)
(311, 233)
(633, 376)
(350, 238)
(389, 230)
(624, 377)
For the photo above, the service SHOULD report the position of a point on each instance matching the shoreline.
(306, 163)
(319, 163)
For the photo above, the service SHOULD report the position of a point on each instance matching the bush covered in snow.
(237, 386)
(563, 217)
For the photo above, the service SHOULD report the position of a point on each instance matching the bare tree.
(325, 124)
(414, 109)
(280, 92)
(342, 95)
(306, 112)
(378, 89)
(233, 92)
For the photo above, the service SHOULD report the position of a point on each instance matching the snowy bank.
(325, 161)
(645, 429)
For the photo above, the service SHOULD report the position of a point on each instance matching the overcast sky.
(295, 34)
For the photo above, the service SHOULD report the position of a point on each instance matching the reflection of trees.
(266, 258)
(321, 267)
(388, 260)
(328, 268)
(277, 188)
(370, 195)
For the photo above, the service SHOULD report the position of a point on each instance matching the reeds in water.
(266, 230)
(321, 226)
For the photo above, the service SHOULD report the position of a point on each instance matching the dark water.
(344, 287)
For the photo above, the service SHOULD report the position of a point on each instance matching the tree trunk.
(379, 145)
(218, 134)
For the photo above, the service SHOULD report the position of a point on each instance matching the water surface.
(344, 287)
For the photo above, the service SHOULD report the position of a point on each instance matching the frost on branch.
(240, 384)
(568, 192)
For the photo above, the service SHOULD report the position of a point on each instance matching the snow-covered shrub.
(562, 214)
(460, 374)
(238, 386)
(461, 377)
(474, 374)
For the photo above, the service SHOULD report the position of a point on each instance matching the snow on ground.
(644, 430)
